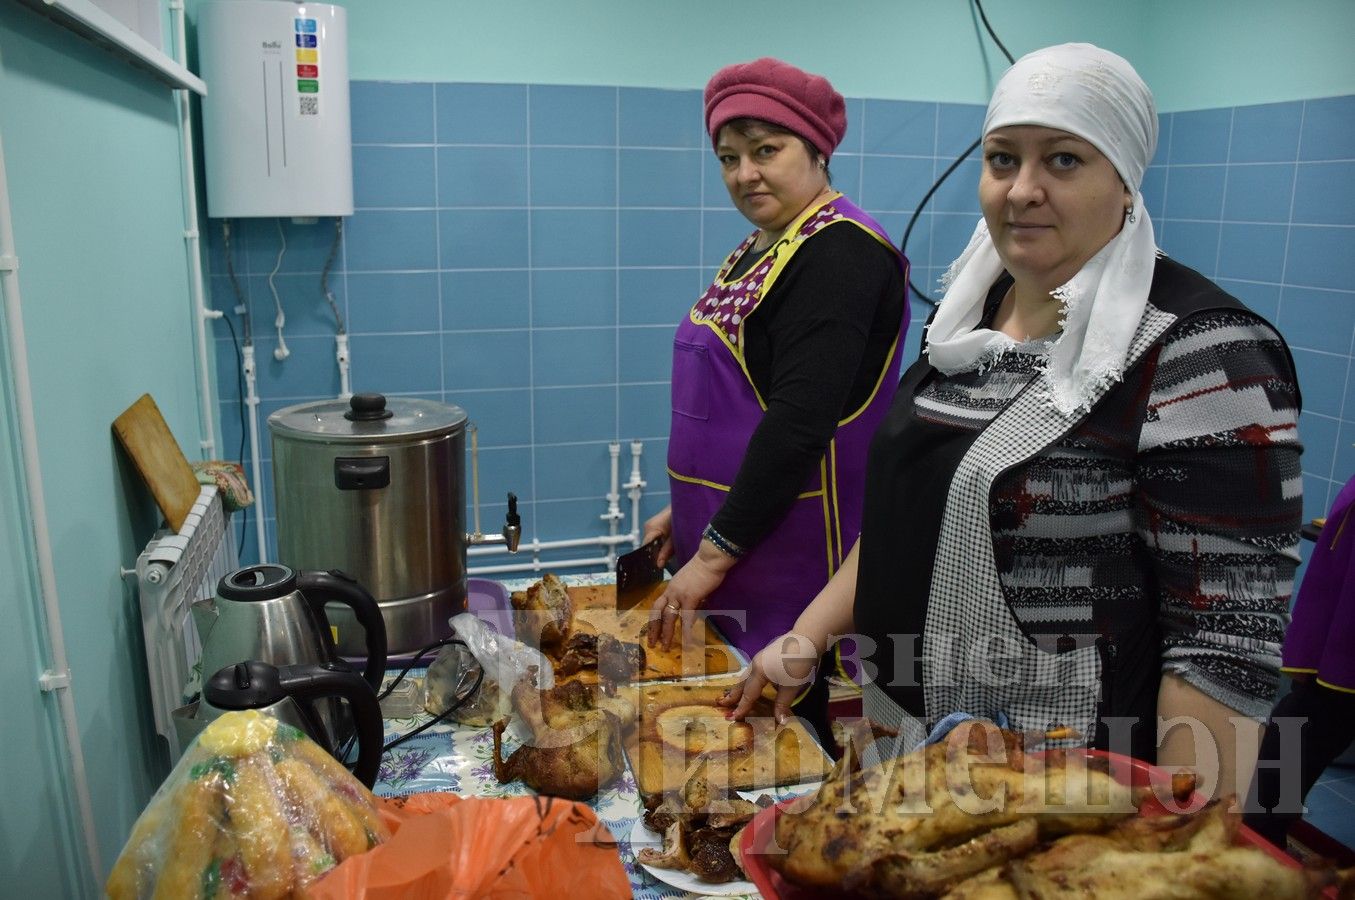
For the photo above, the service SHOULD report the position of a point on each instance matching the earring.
(823, 164)
(1129, 213)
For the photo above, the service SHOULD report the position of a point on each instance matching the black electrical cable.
(415, 662)
(239, 373)
(991, 33)
(907, 232)
(348, 745)
(324, 275)
(479, 677)
(925, 197)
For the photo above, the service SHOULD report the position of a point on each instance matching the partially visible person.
(781, 370)
(1314, 722)
(1086, 497)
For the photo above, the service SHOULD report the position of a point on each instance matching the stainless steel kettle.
(289, 694)
(275, 615)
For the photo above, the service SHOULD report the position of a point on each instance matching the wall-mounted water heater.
(275, 120)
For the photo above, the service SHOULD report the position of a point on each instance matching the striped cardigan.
(1169, 516)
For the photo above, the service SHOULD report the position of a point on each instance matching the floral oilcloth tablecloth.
(459, 759)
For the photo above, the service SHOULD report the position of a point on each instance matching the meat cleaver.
(637, 573)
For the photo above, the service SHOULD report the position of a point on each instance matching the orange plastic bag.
(445, 846)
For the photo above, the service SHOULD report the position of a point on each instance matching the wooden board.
(147, 439)
(775, 756)
(701, 652)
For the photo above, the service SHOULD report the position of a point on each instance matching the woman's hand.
(787, 662)
(686, 591)
(660, 525)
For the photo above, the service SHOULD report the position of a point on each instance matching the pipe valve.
(512, 528)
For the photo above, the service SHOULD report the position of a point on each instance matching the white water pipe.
(635, 487)
(613, 515)
(492, 546)
(251, 400)
(537, 565)
(492, 540)
(56, 679)
(193, 246)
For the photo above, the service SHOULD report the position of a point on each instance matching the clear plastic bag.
(504, 662)
(254, 809)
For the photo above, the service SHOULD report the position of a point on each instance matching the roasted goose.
(546, 614)
(917, 824)
(575, 748)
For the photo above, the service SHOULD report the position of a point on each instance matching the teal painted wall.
(43, 845)
(1202, 54)
(92, 151)
(897, 49)
(1195, 54)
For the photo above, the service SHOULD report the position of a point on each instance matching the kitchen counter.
(459, 759)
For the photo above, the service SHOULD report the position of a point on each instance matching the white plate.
(641, 836)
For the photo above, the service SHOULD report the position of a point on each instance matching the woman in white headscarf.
(1086, 498)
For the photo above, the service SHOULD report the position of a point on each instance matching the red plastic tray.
(758, 835)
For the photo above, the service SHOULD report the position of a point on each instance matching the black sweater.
(814, 348)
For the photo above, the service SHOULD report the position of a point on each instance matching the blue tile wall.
(524, 251)
(1283, 240)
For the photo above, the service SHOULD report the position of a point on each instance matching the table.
(459, 759)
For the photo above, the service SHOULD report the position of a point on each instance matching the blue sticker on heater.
(305, 26)
(305, 40)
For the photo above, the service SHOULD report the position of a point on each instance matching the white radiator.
(174, 572)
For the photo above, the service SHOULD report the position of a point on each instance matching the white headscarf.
(1096, 95)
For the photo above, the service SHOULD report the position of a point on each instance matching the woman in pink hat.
(781, 370)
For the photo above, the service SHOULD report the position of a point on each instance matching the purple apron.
(715, 411)
(1321, 639)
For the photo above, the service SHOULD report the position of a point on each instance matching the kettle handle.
(307, 682)
(335, 586)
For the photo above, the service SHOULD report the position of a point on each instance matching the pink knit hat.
(777, 92)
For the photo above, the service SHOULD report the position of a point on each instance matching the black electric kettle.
(270, 613)
(290, 694)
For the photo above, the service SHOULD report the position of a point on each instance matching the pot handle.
(308, 682)
(335, 586)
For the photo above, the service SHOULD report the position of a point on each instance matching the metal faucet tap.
(512, 528)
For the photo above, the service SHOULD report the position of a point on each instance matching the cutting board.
(772, 755)
(147, 439)
(702, 651)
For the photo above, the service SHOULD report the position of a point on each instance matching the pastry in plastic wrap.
(255, 809)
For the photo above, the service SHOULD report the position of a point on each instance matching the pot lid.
(366, 419)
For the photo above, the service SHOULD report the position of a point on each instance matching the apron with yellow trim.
(715, 411)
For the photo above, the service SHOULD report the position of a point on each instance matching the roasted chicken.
(973, 818)
(575, 745)
(545, 613)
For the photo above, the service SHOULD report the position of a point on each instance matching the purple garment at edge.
(716, 410)
(1321, 639)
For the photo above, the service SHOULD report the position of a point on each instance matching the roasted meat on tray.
(615, 660)
(546, 613)
(575, 745)
(919, 823)
(1187, 855)
(701, 826)
(977, 818)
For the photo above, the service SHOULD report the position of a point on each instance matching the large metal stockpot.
(376, 487)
